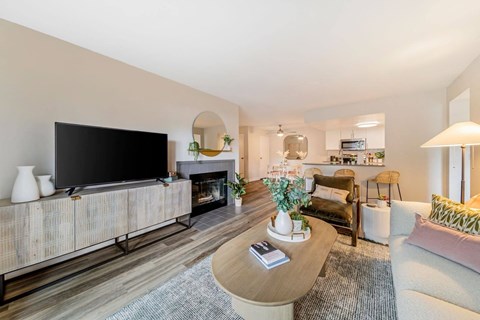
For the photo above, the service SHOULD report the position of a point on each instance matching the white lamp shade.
(458, 134)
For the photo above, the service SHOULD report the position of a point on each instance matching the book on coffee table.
(270, 265)
(266, 253)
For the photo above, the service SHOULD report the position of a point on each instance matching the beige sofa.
(428, 286)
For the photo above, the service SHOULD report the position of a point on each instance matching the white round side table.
(376, 223)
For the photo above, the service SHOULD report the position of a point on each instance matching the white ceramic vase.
(238, 202)
(25, 187)
(45, 186)
(283, 223)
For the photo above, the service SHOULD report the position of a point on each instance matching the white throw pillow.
(337, 195)
(322, 192)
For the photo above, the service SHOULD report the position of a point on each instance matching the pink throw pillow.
(446, 242)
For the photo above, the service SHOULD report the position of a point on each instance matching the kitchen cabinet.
(353, 133)
(360, 133)
(346, 133)
(332, 139)
(376, 137)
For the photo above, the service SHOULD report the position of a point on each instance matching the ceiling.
(274, 58)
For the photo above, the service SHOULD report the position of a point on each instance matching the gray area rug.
(358, 285)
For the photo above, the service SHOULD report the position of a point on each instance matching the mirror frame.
(208, 152)
(285, 148)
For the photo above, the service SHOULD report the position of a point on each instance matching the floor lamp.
(459, 134)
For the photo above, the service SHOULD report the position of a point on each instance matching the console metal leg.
(126, 244)
(389, 194)
(2, 289)
(123, 248)
(187, 225)
(366, 196)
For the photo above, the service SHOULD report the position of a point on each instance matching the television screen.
(87, 155)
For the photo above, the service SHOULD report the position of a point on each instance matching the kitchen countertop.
(328, 163)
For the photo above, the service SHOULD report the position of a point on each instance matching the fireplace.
(191, 169)
(209, 191)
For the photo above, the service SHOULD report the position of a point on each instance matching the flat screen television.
(88, 155)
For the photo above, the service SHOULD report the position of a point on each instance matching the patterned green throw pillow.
(455, 215)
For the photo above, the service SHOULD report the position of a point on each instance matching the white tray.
(292, 237)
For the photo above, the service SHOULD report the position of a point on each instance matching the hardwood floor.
(101, 291)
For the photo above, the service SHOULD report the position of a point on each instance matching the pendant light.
(280, 131)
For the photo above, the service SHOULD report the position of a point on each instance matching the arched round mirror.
(208, 131)
(297, 147)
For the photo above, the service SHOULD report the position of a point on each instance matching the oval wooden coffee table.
(259, 293)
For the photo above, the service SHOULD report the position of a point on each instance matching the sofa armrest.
(402, 216)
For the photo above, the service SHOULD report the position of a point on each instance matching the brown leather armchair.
(340, 215)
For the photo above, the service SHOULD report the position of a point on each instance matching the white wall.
(470, 79)
(43, 80)
(410, 120)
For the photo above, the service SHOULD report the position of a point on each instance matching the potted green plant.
(382, 201)
(194, 149)
(300, 222)
(227, 140)
(380, 155)
(237, 189)
(287, 195)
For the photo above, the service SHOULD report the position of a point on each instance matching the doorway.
(241, 150)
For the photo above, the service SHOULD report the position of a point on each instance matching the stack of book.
(268, 255)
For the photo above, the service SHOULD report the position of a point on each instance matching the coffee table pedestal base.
(251, 311)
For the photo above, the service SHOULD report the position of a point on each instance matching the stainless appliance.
(358, 144)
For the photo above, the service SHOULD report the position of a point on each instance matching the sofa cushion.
(402, 218)
(327, 193)
(413, 305)
(417, 269)
(455, 215)
(330, 211)
(449, 243)
(344, 183)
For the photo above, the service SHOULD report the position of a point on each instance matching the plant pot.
(297, 225)
(381, 203)
(283, 223)
(238, 202)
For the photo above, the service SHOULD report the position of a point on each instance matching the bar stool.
(386, 177)
(308, 176)
(344, 173)
(348, 173)
(310, 172)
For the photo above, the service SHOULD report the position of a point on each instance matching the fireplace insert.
(209, 191)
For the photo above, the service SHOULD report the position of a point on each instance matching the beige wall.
(410, 120)
(43, 80)
(470, 79)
